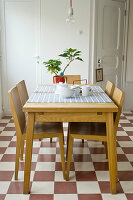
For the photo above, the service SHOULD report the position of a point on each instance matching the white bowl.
(66, 92)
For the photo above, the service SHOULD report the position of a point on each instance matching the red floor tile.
(121, 158)
(126, 124)
(94, 150)
(8, 158)
(105, 187)
(89, 197)
(3, 124)
(80, 144)
(82, 157)
(125, 175)
(44, 176)
(21, 166)
(85, 176)
(7, 117)
(2, 196)
(15, 188)
(46, 158)
(129, 196)
(6, 175)
(101, 166)
(65, 188)
(123, 138)
(120, 129)
(128, 150)
(130, 133)
(9, 129)
(48, 144)
(6, 138)
(2, 150)
(12, 144)
(41, 197)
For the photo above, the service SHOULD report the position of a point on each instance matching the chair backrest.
(109, 88)
(71, 78)
(16, 107)
(22, 90)
(118, 98)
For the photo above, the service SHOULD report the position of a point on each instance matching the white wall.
(0, 68)
(57, 35)
(129, 68)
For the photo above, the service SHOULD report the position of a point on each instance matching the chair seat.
(87, 128)
(48, 127)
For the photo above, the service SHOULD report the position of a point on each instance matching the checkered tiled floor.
(89, 177)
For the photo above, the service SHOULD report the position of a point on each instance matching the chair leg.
(106, 149)
(50, 140)
(18, 145)
(67, 143)
(22, 149)
(70, 148)
(82, 140)
(62, 155)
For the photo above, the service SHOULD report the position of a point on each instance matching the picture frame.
(99, 74)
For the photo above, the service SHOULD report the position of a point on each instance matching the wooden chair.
(109, 88)
(41, 130)
(92, 130)
(71, 78)
(22, 90)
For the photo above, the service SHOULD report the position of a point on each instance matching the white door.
(110, 40)
(19, 46)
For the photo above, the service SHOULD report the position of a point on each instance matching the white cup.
(85, 90)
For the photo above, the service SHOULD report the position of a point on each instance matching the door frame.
(93, 41)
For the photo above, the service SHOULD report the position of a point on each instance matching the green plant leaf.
(78, 58)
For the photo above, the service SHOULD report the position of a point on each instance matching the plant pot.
(57, 79)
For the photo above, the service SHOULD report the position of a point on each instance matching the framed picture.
(99, 75)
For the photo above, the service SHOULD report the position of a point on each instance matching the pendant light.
(70, 14)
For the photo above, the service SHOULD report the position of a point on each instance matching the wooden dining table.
(71, 112)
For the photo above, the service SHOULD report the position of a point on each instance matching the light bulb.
(70, 16)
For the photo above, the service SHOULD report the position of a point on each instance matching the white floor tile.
(95, 144)
(45, 166)
(4, 185)
(129, 157)
(4, 143)
(8, 133)
(10, 125)
(79, 150)
(127, 186)
(126, 143)
(42, 187)
(88, 187)
(119, 150)
(14, 139)
(59, 176)
(36, 143)
(128, 128)
(114, 197)
(4, 120)
(1, 128)
(84, 166)
(7, 166)
(10, 150)
(65, 197)
(21, 176)
(131, 137)
(121, 133)
(102, 175)
(124, 166)
(47, 150)
(99, 158)
(129, 117)
(17, 197)
(124, 121)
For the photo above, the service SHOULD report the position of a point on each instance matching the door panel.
(20, 46)
(110, 40)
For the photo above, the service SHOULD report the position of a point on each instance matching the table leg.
(28, 153)
(112, 155)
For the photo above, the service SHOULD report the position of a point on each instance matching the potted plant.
(54, 65)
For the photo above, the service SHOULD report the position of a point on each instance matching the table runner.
(55, 98)
(51, 88)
